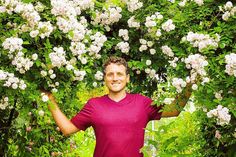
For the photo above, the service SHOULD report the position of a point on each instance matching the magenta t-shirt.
(119, 126)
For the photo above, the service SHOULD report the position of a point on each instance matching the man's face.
(116, 78)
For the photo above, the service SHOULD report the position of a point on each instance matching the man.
(118, 118)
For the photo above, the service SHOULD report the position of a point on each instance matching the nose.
(115, 77)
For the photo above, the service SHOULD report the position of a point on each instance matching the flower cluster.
(197, 64)
(11, 80)
(230, 64)
(98, 40)
(39, 7)
(199, 2)
(50, 72)
(158, 33)
(221, 114)
(66, 13)
(57, 57)
(108, 16)
(179, 84)
(151, 20)
(77, 48)
(66, 25)
(22, 64)
(145, 44)
(4, 103)
(151, 72)
(79, 75)
(228, 9)
(44, 29)
(168, 101)
(79, 33)
(84, 4)
(99, 75)
(202, 41)
(124, 34)
(167, 51)
(132, 23)
(13, 44)
(173, 62)
(123, 47)
(218, 95)
(70, 9)
(168, 26)
(64, 8)
(26, 10)
(133, 5)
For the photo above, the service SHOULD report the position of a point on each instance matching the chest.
(119, 116)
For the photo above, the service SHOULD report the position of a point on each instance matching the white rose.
(34, 56)
(54, 90)
(45, 98)
(69, 67)
(57, 83)
(22, 86)
(50, 71)
(83, 60)
(95, 84)
(43, 73)
(228, 5)
(53, 76)
(194, 87)
(152, 51)
(158, 33)
(33, 34)
(41, 113)
(143, 41)
(6, 99)
(147, 70)
(149, 43)
(148, 62)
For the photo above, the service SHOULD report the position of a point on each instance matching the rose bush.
(61, 45)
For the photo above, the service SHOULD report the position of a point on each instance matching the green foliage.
(179, 136)
(26, 126)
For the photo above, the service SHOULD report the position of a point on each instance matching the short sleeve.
(83, 119)
(154, 112)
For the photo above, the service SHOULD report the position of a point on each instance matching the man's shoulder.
(139, 95)
(97, 99)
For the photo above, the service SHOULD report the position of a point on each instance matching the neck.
(117, 96)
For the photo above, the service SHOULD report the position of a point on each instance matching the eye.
(120, 74)
(109, 74)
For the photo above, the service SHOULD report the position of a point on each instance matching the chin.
(116, 90)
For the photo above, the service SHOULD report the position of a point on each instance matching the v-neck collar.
(123, 100)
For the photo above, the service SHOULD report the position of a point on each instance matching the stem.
(12, 113)
(7, 128)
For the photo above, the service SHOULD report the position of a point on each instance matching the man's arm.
(178, 104)
(65, 125)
